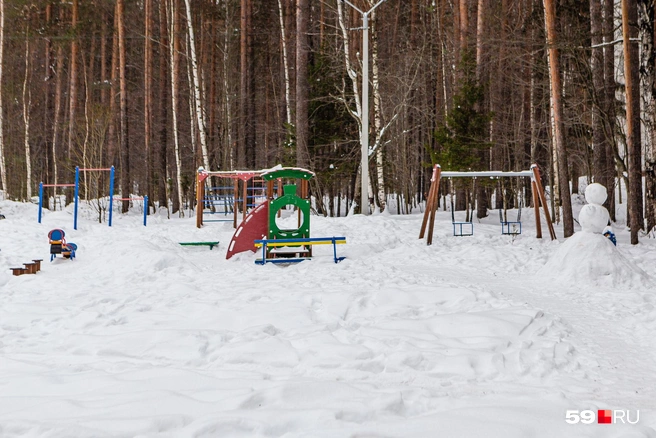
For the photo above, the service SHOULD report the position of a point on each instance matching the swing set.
(466, 228)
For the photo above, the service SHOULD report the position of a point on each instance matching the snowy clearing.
(481, 336)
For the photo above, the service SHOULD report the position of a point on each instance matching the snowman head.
(595, 193)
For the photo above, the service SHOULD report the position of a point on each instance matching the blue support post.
(40, 199)
(77, 195)
(145, 208)
(111, 194)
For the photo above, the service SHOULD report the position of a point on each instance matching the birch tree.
(200, 114)
(378, 122)
(27, 100)
(285, 60)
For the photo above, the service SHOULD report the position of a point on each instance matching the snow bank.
(590, 258)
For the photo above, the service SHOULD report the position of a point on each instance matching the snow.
(481, 336)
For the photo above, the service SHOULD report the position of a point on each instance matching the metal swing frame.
(539, 198)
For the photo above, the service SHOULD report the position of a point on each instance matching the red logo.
(604, 416)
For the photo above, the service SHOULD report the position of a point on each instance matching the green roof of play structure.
(288, 172)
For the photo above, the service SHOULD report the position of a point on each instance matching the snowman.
(594, 217)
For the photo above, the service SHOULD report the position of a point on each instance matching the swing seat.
(463, 228)
(511, 228)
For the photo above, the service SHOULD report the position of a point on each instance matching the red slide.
(254, 227)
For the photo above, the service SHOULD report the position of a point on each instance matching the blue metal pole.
(145, 207)
(40, 199)
(111, 194)
(77, 195)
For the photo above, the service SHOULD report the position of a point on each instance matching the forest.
(160, 88)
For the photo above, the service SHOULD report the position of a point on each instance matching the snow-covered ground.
(481, 336)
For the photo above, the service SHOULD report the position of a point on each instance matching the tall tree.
(246, 152)
(197, 95)
(174, 55)
(633, 141)
(599, 137)
(302, 85)
(27, 101)
(3, 169)
(557, 104)
(123, 107)
(285, 59)
(59, 86)
(72, 97)
(148, 96)
(161, 158)
(610, 119)
(648, 76)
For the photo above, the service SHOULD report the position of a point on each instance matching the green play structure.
(290, 197)
(260, 229)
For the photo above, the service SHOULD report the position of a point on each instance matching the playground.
(141, 336)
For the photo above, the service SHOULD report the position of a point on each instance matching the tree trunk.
(647, 29)
(285, 60)
(27, 100)
(148, 99)
(229, 148)
(72, 94)
(197, 95)
(357, 113)
(633, 141)
(3, 169)
(556, 92)
(174, 53)
(599, 138)
(481, 195)
(302, 83)
(609, 102)
(59, 79)
(113, 136)
(378, 123)
(123, 108)
(161, 159)
(246, 150)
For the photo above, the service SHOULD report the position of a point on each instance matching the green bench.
(210, 244)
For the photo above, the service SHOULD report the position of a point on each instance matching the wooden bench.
(210, 244)
(293, 246)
